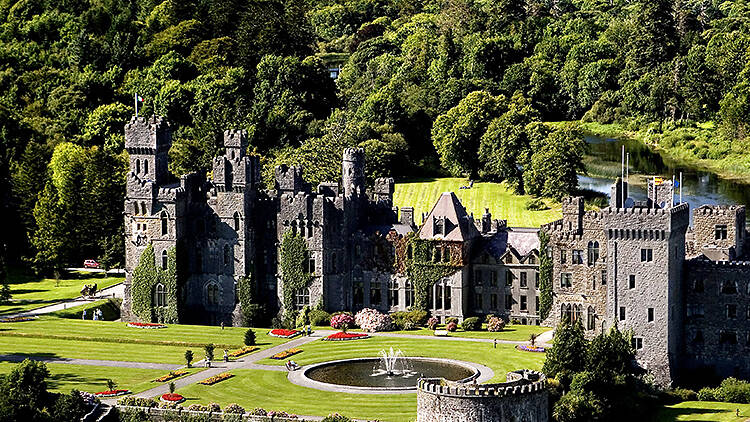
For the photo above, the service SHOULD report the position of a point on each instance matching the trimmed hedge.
(472, 324)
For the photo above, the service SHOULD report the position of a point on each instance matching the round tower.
(353, 172)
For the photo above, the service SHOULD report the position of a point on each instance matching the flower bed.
(243, 351)
(170, 376)
(285, 354)
(112, 393)
(536, 349)
(280, 332)
(18, 319)
(341, 336)
(172, 398)
(216, 378)
(145, 325)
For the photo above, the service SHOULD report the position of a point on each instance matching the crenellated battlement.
(520, 382)
(354, 154)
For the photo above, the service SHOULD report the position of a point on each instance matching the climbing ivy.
(422, 270)
(545, 276)
(145, 278)
(294, 275)
(251, 311)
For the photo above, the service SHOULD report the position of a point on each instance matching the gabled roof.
(458, 225)
(520, 241)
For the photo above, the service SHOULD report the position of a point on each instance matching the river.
(698, 187)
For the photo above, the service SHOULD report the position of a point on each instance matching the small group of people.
(291, 365)
(89, 290)
(98, 314)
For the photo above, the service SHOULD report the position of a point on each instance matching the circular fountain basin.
(363, 375)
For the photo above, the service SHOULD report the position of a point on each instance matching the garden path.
(448, 338)
(117, 290)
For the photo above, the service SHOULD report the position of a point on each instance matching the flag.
(658, 180)
(138, 98)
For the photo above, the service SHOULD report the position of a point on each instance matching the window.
(359, 293)
(493, 278)
(577, 256)
(393, 292)
(164, 259)
(748, 311)
(145, 166)
(477, 277)
(164, 224)
(227, 255)
(563, 257)
(236, 218)
(408, 252)
(593, 252)
(647, 255)
(721, 232)
(532, 260)
(212, 294)
(650, 314)
(508, 302)
(698, 337)
(160, 295)
(524, 304)
(137, 166)
(508, 278)
(536, 279)
(536, 303)
(446, 255)
(438, 296)
(302, 298)
(631, 281)
(439, 226)
(637, 343)
(375, 294)
(622, 313)
(590, 318)
(436, 254)
(604, 277)
(478, 300)
(698, 286)
(409, 300)
(566, 280)
(731, 311)
(447, 296)
(695, 310)
(727, 337)
(728, 287)
(523, 282)
(493, 301)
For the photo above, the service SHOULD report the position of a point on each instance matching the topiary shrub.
(452, 326)
(319, 317)
(432, 323)
(234, 408)
(471, 324)
(418, 317)
(249, 337)
(495, 324)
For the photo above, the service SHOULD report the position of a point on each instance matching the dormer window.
(439, 226)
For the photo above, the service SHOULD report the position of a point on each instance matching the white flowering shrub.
(371, 320)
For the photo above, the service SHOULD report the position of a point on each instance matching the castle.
(685, 292)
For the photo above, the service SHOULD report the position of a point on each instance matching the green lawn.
(31, 292)
(703, 411)
(64, 377)
(503, 204)
(510, 332)
(48, 336)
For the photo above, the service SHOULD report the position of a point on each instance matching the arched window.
(593, 252)
(409, 297)
(729, 287)
(576, 313)
(227, 255)
(164, 259)
(144, 210)
(236, 221)
(135, 208)
(212, 294)
(590, 318)
(145, 166)
(302, 298)
(164, 224)
(137, 166)
(160, 295)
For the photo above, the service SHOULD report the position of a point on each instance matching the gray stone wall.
(719, 231)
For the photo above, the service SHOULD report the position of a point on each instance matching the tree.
(188, 357)
(249, 337)
(23, 392)
(457, 133)
(564, 357)
(209, 349)
(556, 161)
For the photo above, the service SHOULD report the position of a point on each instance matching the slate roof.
(522, 240)
(401, 229)
(458, 227)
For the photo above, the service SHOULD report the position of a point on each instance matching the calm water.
(698, 188)
(365, 373)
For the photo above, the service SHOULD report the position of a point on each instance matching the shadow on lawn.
(58, 379)
(671, 414)
(41, 357)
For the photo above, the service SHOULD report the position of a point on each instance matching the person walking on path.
(222, 325)
(83, 315)
(226, 355)
(494, 344)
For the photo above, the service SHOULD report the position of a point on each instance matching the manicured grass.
(31, 292)
(110, 310)
(64, 377)
(502, 360)
(114, 341)
(703, 411)
(503, 204)
(272, 391)
(510, 332)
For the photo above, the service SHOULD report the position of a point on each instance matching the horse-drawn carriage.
(89, 290)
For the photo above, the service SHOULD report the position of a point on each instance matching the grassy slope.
(31, 292)
(510, 332)
(65, 377)
(119, 345)
(703, 411)
(503, 204)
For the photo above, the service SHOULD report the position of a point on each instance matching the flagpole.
(135, 99)
(622, 178)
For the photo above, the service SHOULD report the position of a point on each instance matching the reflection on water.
(698, 188)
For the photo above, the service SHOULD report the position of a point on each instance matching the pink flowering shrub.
(432, 323)
(371, 320)
(451, 326)
(342, 321)
(495, 324)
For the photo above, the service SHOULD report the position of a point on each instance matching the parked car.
(90, 263)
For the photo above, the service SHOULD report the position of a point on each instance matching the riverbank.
(697, 146)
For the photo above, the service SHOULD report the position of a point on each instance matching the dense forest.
(425, 87)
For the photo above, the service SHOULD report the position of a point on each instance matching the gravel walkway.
(116, 290)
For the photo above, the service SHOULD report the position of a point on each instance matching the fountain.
(392, 363)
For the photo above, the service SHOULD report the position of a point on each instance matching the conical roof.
(449, 212)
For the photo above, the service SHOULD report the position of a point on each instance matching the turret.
(353, 172)
(147, 141)
(235, 143)
(384, 187)
(572, 210)
(289, 179)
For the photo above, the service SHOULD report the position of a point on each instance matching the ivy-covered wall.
(145, 278)
(545, 277)
(416, 257)
(294, 276)
(251, 310)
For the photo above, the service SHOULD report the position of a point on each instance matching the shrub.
(537, 205)
(733, 390)
(432, 323)
(488, 317)
(234, 408)
(495, 324)
(319, 317)
(171, 387)
(249, 337)
(137, 401)
(409, 320)
(515, 321)
(471, 324)
(111, 385)
(342, 321)
(451, 326)
(188, 357)
(679, 395)
(303, 318)
(195, 407)
(707, 394)
(451, 319)
(371, 320)
(259, 411)
(336, 418)
(209, 349)
(214, 407)
(418, 317)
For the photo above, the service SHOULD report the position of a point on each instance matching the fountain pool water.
(392, 363)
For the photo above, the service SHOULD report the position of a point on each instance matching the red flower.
(172, 397)
(346, 336)
(280, 332)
